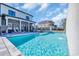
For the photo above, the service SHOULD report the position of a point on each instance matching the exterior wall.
(46, 25)
(43, 25)
(16, 22)
(72, 29)
(4, 10)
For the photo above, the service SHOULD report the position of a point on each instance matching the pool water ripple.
(51, 44)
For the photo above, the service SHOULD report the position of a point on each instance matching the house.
(46, 25)
(14, 20)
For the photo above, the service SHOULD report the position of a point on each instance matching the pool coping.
(8, 49)
(15, 34)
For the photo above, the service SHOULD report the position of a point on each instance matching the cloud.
(29, 6)
(58, 19)
(43, 6)
(17, 5)
(50, 13)
(44, 18)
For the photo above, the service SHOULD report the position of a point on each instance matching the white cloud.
(50, 13)
(43, 6)
(42, 19)
(29, 5)
(65, 11)
(61, 15)
(57, 19)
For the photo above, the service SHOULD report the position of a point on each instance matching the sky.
(44, 11)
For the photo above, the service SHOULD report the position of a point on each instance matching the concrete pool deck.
(7, 48)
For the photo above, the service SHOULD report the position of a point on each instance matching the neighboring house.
(46, 25)
(14, 20)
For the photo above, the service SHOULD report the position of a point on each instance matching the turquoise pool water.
(41, 44)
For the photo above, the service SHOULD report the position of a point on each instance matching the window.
(27, 18)
(11, 13)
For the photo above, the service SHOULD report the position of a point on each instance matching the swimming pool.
(41, 44)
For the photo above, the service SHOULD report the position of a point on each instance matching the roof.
(45, 22)
(16, 9)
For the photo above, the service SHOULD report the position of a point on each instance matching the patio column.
(28, 27)
(50, 28)
(20, 25)
(0, 21)
(72, 29)
(34, 27)
(31, 26)
(7, 24)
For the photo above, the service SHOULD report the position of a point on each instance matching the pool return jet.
(72, 29)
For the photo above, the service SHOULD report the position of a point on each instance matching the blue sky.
(44, 11)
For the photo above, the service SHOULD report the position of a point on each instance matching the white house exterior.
(46, 25)
(14, 20)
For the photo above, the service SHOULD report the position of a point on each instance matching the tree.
(64, 23)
